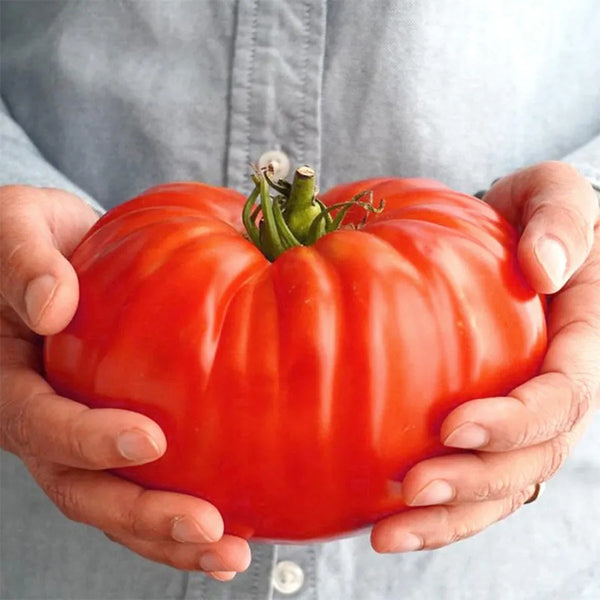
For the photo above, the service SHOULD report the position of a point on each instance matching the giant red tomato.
(293, 392)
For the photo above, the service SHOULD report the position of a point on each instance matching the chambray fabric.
(106, 98)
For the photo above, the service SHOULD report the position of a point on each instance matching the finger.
(222, 575)
(567, 388)
(483, 476)
(125, 509)
(557, 209)
(539, 410)
(222, 559)
(39, 227)
(437, 526)
(34, 421)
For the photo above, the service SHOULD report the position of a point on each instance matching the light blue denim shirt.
(109, 98)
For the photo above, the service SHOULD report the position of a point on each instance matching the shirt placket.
(276, 85)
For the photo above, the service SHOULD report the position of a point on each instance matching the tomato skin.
(294, 393)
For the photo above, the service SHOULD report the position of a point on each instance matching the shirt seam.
(250, 76)
(303, 87)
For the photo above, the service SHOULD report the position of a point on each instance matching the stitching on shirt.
(250, 76)
(230, 97)
(186, 583)
(304, 94)
(257, 566)
(320, 84)
(203, 593)
(312, 586)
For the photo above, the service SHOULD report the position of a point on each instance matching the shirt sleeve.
(23, 163)
(587, 160)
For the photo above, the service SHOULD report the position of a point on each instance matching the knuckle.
(462, 531)
(178, 557)
(77, 449)
(76, 442)
(454, 531)
(64, 495)
(167, 557)
(526, 435)
(579, 223)
(534, 426)
(20, 432)
(497, 488)
(557, 451)
(136, 526)
(579, 405)
(14, 261)
(134, 521)
(16, 429)
(571, 217)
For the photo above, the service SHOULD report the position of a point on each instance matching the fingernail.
(435, 492)
(552, 256)
(38, 295)
(223, 575)
(467, 435)
(137, 445)
(187, 529)
(209, 561)
(406, 542)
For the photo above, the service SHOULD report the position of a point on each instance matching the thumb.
(40, 227)
(556, 209)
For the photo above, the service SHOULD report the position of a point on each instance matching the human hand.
(524, 438)
(65, 445)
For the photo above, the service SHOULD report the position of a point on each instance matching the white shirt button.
(280, 162)
(288, 577)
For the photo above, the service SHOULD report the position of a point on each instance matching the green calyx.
(294, 216)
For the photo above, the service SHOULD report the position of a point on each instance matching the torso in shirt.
(124, 95)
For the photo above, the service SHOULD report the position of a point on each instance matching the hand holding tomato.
(65, 445)
(524, 437)
(300, 367)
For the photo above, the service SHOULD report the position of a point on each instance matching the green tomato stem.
(249, 219)
(343, 208)
(301, 208)
(296, 217)
(271, 241)
(287, 237)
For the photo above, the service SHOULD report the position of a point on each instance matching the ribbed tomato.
(294, 392)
